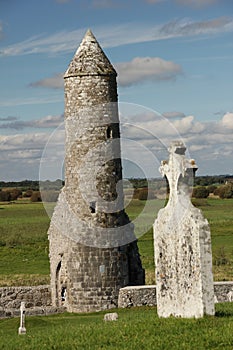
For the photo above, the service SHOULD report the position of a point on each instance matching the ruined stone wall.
(137, 296)
(223, 292)
(11, 297)
(146, 295)
(38, 298)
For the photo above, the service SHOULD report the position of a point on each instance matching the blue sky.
(172, 56)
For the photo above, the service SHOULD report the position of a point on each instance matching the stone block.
(113, 316)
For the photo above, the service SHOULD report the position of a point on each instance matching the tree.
(200, 192)
(28, 193)
(15, 193)
(36, 196)
(211, 188)
(10, 195)
(225, 191)
(4, 196)
(144, 194)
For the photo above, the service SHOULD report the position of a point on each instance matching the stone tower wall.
(93, 250)
(92, 121)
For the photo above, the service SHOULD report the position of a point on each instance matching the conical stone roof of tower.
(89, 59)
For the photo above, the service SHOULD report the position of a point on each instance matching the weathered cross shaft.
(182, 245)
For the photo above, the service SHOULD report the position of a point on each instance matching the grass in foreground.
(136, 329)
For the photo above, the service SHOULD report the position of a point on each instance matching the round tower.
(93, 250)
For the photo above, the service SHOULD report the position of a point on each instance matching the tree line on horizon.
(143, 189)
(35, 185)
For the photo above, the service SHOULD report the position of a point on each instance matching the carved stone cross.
(182, 245)
(22, 329)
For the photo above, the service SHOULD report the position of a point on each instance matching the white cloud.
(55, 82)
(104, 3)
(138, 70)
(137, 117)
(210, 144)
(117, 35)
(21, 155)
(49, 121)
(194, 148)
(227, 121)
(153, 1)
(186, 27)
(184, 125)
(146, 68)
(8, 119)
(63, 1)
(1, 30)
(187, 124)
(197, 3)
(30, 101)
(23, 142)
(153, 127)
(46, 122)
(193, 3)
(173, 114)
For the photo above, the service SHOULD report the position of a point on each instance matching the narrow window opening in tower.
(58, 272)
(109, 132)
(63, 294)
(93, 207)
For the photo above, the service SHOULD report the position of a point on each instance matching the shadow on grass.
(224, 313)
(224, 310)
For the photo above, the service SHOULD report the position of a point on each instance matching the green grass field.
(219, 213)
(136, 329)
(24, 244)
(24, 261)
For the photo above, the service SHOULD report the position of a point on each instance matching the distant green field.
(24, 243)
(219, 213)
(136, 329)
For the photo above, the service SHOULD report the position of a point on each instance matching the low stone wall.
(137, 296)
(11, 297)
(33, 311)
(146, 295)
(37, 300)
(223, 291)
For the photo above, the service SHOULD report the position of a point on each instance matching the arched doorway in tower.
(61, 287)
